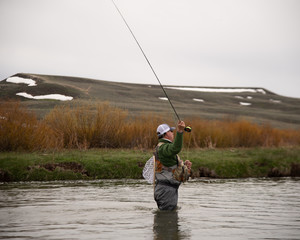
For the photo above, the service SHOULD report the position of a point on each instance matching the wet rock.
(295, 170)
(276, 172)
(71, 166)
(206, 172)
(4, 176)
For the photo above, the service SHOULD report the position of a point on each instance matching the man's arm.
(175, 147)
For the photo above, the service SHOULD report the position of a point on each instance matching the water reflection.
(166, 226)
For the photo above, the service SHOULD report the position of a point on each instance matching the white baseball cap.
(163, 128)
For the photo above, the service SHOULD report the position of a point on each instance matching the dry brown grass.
(240, 133)
(104, 126)
(20, 129)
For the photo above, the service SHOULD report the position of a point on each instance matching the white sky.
(223, 43)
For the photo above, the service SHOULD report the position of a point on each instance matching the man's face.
(169, 135)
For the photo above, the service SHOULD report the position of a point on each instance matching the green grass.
(121, 163)
(244, 163)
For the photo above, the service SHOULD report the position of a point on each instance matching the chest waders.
(167, 182)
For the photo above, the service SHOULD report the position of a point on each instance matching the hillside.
(254, 104)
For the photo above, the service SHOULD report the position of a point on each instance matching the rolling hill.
(254, 104)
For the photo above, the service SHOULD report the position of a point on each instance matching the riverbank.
(124, 163)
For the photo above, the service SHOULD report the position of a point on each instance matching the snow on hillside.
(27, 81)
(224, 90)
(32, 83)
(48, 96)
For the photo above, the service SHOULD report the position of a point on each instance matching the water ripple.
(208, 209)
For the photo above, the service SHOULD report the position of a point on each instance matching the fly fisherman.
(170, 171)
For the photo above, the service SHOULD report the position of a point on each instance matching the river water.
(125, 209)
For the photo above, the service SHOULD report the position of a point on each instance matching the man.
(170, 171)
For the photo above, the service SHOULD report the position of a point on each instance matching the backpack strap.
(158, 165)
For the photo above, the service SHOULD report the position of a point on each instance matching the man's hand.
(188, 163)
(180, 126)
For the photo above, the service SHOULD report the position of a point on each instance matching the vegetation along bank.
(104, 142)
(123, 163)
(105, 126)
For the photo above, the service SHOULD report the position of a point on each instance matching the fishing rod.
(188, 128)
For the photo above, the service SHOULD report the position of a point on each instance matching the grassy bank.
(119, 163)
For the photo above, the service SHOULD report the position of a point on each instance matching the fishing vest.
(175, 174)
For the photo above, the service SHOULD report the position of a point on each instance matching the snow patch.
(223, 90)
(17, 80)
(275, 101)
(245, 104)
(163, 98)
(198, 100)
(240, 97)
(261, 91)
(49, 96)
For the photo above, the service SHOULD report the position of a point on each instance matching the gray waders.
(166, 187)
(166, 195)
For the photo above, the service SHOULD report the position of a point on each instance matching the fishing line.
(188, 128)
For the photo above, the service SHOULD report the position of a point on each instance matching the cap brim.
(172, 129)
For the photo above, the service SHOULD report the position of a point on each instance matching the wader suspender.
(155, 153)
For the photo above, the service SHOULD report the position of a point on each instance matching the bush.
(20, 129)
(104, 126)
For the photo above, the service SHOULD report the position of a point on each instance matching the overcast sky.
(226, 43)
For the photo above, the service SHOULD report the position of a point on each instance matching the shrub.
(20, 129)
(104, 126)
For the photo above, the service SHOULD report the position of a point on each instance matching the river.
(125, 209)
